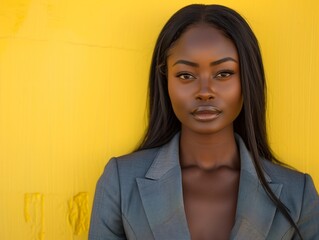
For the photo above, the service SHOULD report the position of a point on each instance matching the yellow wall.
(73, 78)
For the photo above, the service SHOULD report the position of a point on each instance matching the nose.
(205, 91)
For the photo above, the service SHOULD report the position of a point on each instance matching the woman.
(204, 169)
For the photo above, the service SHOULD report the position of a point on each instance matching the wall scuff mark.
(34, 214)
(79, 213)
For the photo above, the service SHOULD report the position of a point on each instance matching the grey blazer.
(139, 196)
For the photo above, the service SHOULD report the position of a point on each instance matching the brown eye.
(224, 74)
(185, 76)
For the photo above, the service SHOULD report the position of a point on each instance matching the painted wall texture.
(73, 80)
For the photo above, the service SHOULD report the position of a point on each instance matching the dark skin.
(205, 91)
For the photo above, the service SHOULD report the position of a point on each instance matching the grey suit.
(139, 196)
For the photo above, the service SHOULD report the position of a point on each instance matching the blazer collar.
(166, 159)
(255, 211)
(162, 197)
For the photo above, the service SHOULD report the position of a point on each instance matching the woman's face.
(204, 80)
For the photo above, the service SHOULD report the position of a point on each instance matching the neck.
(209, 151)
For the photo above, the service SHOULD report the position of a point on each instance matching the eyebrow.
(211, 64)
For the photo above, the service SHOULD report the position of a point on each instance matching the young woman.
(205, 169)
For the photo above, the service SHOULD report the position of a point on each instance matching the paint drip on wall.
(79, 213)
(34, 214)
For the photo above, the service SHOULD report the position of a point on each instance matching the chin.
(210, 130)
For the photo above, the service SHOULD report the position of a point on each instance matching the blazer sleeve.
(106, 218)
(308, 223)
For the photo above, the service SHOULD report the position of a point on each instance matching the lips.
(206, 113)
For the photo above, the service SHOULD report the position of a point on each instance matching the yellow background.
(73, 78)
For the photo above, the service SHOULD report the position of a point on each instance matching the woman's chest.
(210, 200)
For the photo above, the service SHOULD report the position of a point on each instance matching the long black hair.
(251, 122)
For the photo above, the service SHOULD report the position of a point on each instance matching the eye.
(224, 74)
(185, 76)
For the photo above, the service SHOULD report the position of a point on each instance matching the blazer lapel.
(162, 196)
(255, 210)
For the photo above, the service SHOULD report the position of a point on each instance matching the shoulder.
(299, 195)
(289, 177)
(293, 181)
(297, 187)
(135, 164)
(282, 174)
(141, 155)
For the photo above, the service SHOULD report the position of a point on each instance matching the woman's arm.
(106, 218)
(308, 223)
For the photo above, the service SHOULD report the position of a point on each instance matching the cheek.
(236, 97)
(175, 100)
(170, 87)
(177, 97)
(173, 92)
(232, 95)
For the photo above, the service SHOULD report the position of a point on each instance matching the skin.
(205, 92)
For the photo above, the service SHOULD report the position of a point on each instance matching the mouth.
(206, 113)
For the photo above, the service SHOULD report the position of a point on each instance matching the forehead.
(203, 38)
